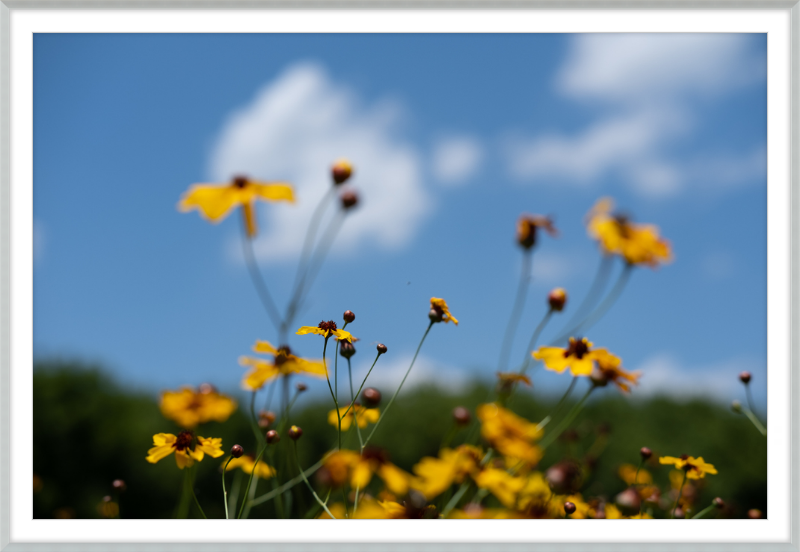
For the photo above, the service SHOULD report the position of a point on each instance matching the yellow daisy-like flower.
(326, 329)
(190, 408)
(362, 414)
(608, 369)
(187, 450)
(507, 379)
(246, 464)
(435, 475)
(579, 357)
(527, 229)
(369, 508)
(215, 201)
(636, 243)
(509, 434)
(695, 468)
(283, 364)
(346, 465)
(440, 306)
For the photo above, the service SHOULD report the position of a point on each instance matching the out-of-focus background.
(452, 137)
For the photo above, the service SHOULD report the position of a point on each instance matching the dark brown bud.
(646, 453)
(382, 349)
(569, 508)
(295, 433)
(564, 477)
(237, 451)
(301, 387)
(119, 485)
(719, 503)
(461, 415)
(265, 419)
(346, 349)
(436, 314)
(745, 377)
(557, 299)
(349, 199)
(349, 316)
(754, 514)
(371, 397)
(341, 171)
(273, 437)
(628, 501)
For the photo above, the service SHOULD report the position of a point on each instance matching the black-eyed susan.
(617, 235)
(441, 311)
(326, 330)
(509, 434)
(187, 449)
(247, 462)
(436, 475)
(189, 407)
(579, 357)
(695, 468)
(362, 414)
(345, 466)
(283, 364)
(528, 226)
(215, 201)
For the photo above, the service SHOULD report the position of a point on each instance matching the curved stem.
(249, 482)
(197, 502)
(310, 488)
(680, 492)
(286, 486)
(362, 384)
(224, 491)
(258, 281)
(534, 338)
(333, 395)
(598, 285)
(352, 402)
(516, 311)
(553, 435)
(704, 511)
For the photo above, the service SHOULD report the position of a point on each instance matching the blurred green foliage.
(89, 431)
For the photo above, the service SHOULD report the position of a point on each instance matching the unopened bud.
(301, 387)
(745, 377)
(237, 451)
(273, 437)
(371, 397)
(569, 508)
(341, 171)
(461, 415)
(119, 485)
(719, 503)
(382, 349)
(295, 433)
(349, 316)
(346, 349)
(265, 419)
(736, 406)
(628, 501)
(754, 514)
(646, 453)
(436, 314)
(349, 199)
(557, 299)
(598, 377)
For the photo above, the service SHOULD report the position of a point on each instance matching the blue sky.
(452, 138)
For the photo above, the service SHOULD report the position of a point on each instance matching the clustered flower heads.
(491, 461)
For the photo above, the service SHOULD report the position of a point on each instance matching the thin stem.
(534, 338)
(456, 498)
(355, 503)
(237, 485)
(258, 280)
(756, 422)
(197, 502)
(680, 492)
(249, 482)
(754, 418)
(553, 435)
(250, 496)
(333, 395)
(286, 486)
(704, 511)
(336, 366)
(254, 419)
(352, 402)
(563, 398)
(388, 406)
(224, 491)
(310, 488)
(598, 285)
(362, 384)
(516, 311)
(270, 394)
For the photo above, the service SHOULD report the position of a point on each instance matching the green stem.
(565, 423)
(560, 403)
(254, 419)
(464, 486)
(237, 485)
(250, 496)
(352, 402)
(286, 486)
(362, 384)
(755, 420)
(534, 338)
(258, 280)
(197, 502)
(310, 488)
(278, 500)
(388, 406)
(516, 312)
(333, 395)
(224, 491)
(249, 482)
(598, 285)
(704, 511)
(680, 492)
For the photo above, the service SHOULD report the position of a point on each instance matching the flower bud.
(745, 377)
(295, 433)
(301, 387)
(273, 437)
(346, 349)
(341, 171)
(119, 485)
(564, 477)
(646, 453)
(598, 377)
(436, 314)
(265, 419)
(557, 299)
(349, 316)
(628, 501)
(569, 508)
(371, 397)
(106, 498)
(349, 199)
(719, 503)
(382, 349)
(461, 415)
(736, 406)
(237, 451)
(754, 514)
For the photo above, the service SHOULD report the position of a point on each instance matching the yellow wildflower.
(215, 201)
(509, 434)
(578, 357)
(189, 408)
(346, 465)
(186, 449)
(364, 415)
(627, 472)
(527, 227)
(436, 475)
(326, 329)
(283, 364)
(441, 308)
(608, 369)
(246, 464)
(636, 243)
(695, 468)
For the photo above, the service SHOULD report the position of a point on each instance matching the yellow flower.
(530, 495)
(247, 462)
(695, 468)
(608, 369)
(364, 415)
(215, 201)
(636, 243)
(507, 380)
(182, 445)
(345, 465)
(627, 472)
(578, 357)
(189, 408)
(435, 475)
(283, 364)
(527, 227)
(509, 434)
(440, 306)
(368, 508)
(326, 329)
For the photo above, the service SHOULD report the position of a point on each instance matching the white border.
(775, 22)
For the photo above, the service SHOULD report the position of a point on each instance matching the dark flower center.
(577, 348)
(184, 440)
(282, 355)
(329, 326)
(375, 453)
(240, 182)
(623, 225)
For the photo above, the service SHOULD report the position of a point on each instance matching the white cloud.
(456, 158)
(293, 130)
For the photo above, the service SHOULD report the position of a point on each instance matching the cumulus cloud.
(647, 87)
(456, 158)
(293, 130)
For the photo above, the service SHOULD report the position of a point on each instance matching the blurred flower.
(527, 227)
(695, 468)
(108, 508)
(608, 369)
(362, 414)
(189, 408)
(578, 357)
(440, 306)
(215, 201)
(627, 472)
(326, 329)
(346, 465)
(185, 448)
(636, 243)
(506, 379)
(283, 364)
(435, 475)
(509, 434)
(246, 464)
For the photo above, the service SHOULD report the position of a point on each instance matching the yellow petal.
(211, 446)
(182, 459)
(581, 367)
(362, 474)
(309, 329)
(273, 191)
(213, 201)
(342, 335)
(157, 453)
(396, 479)
(265, 347)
